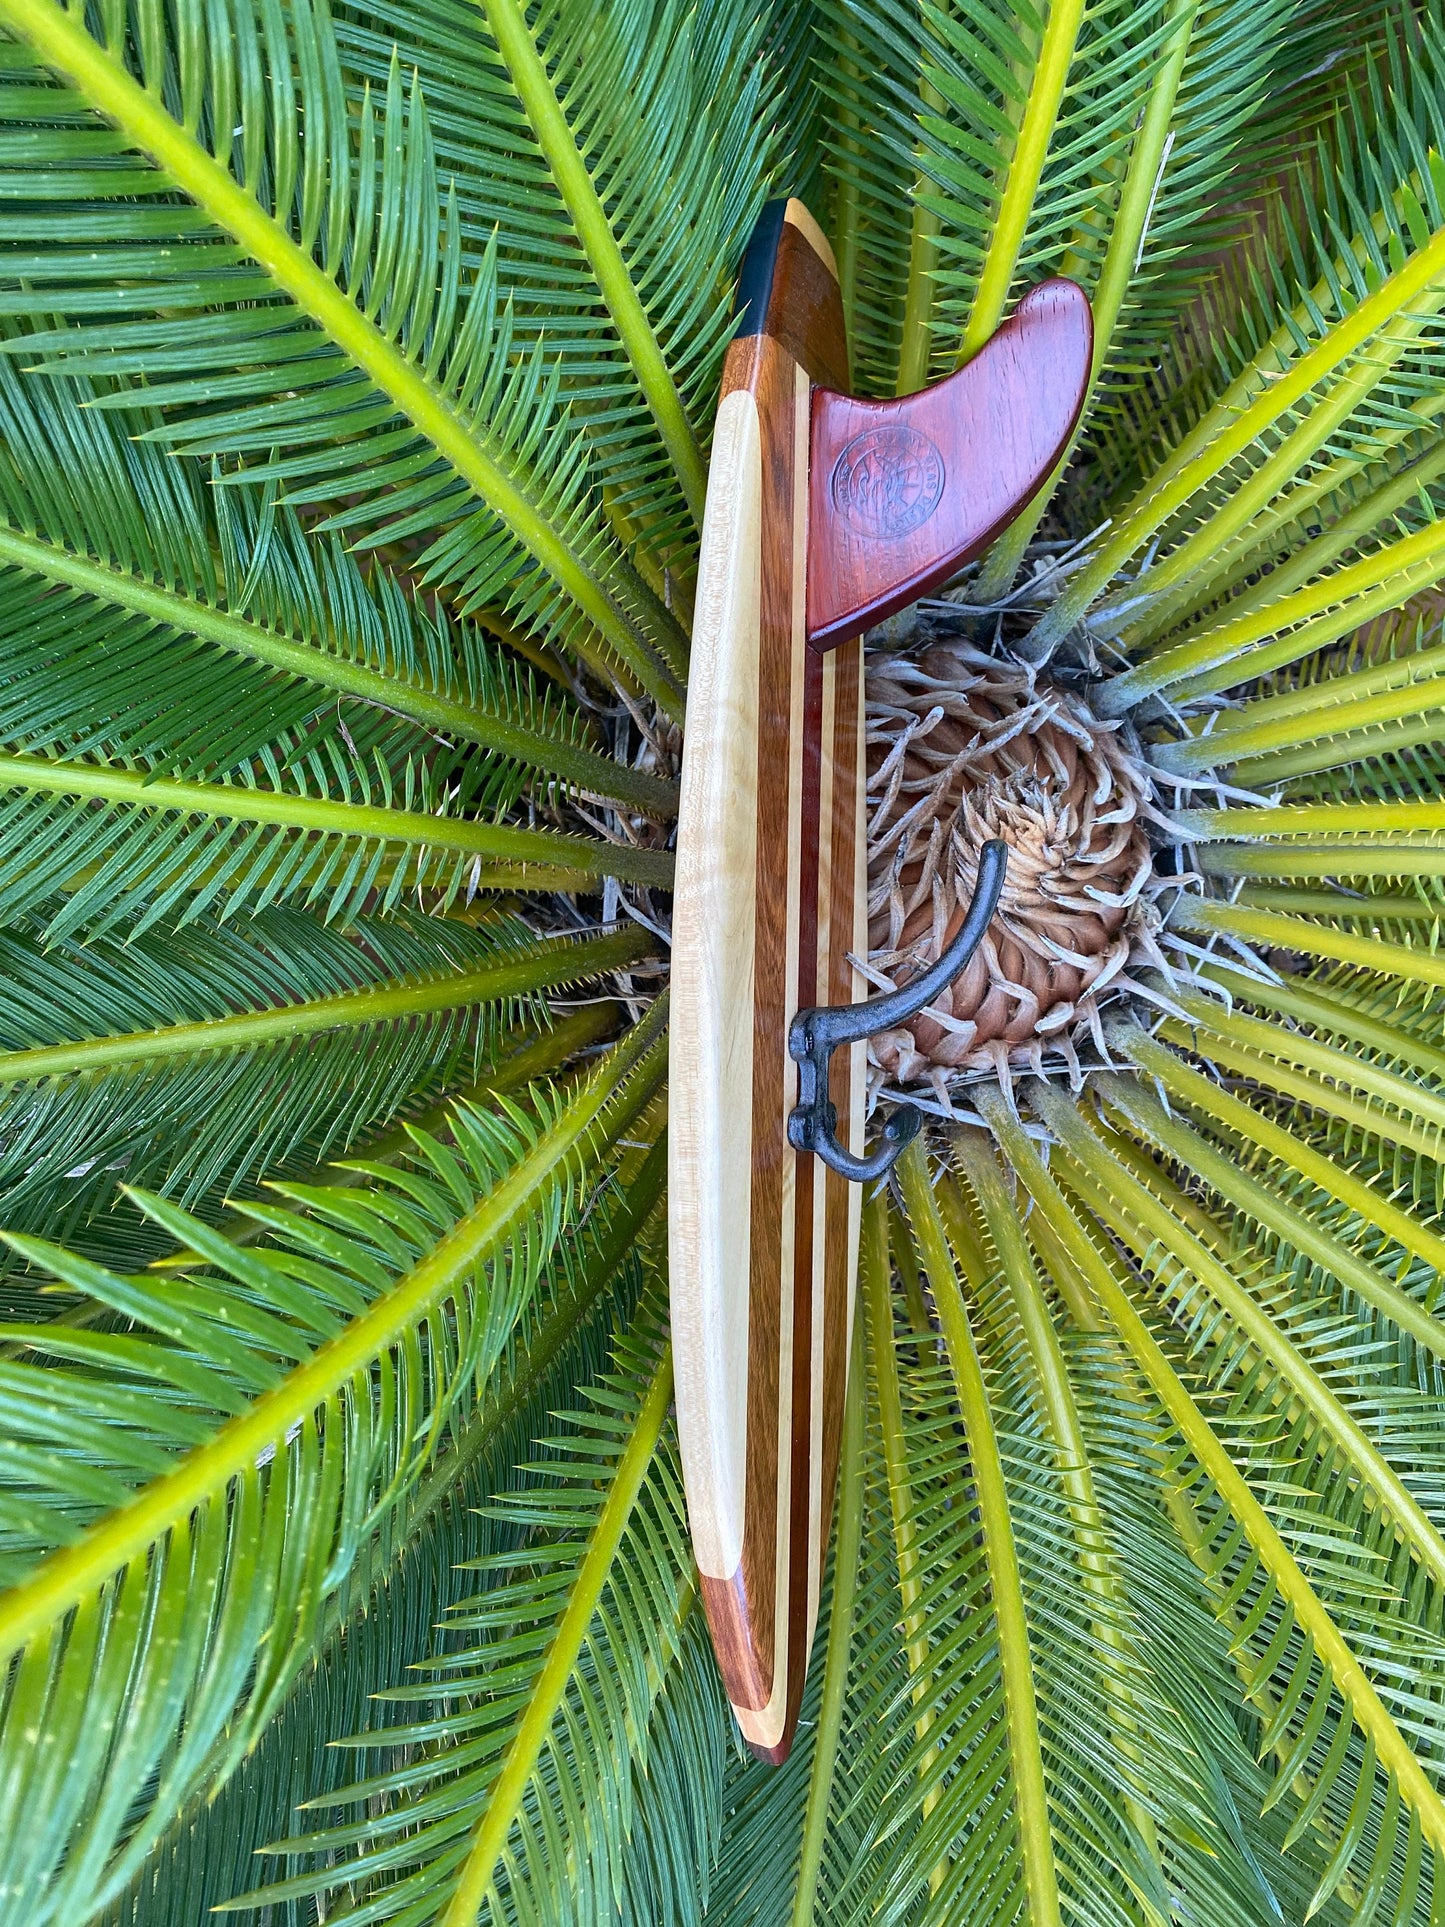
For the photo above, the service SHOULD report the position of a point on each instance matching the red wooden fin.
(905, 492)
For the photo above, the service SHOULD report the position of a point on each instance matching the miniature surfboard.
(824, 514)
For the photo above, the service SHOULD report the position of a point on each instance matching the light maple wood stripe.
(826, 1199)
(858, 1070)
(797, 215)
(847, 930)
(710, 1151)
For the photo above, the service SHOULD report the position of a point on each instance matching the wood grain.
(714, 946)
(905, 492)
(760, 1445)
(823, 514)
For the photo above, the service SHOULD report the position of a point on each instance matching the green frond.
(388, 1623)
(1250, 1129)
(461, 440)
(572, 1650)
(668, 111)
(1019, 1727)
(255, 1429)
(573, 179)
(1356, 328)
(121, 848)
(1320, 186)
(840, 1615)
(1299, 1655)
(190, 1104)
(138, 558)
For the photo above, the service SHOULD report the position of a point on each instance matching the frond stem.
(1272, 1046)
(915, 347)
(238, 803)
(845, 210)
(840, 1635)
(1269, 928)
(554, 136)
(1231, 435)
(1404, 686)
(1242, 564)
(1330, 1012)
(1128, 228)
(1001, 1554)
(544, 966)
(976, 1159)
(1253, 494)
(247, 1223)
(1214, 659)
(1249, 1197)
(883, 1353)
(1409, 1130)
(490, 1836)
(1025, 170)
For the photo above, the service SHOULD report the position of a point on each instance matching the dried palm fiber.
(962, 748)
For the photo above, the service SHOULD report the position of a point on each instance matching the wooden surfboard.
(770, 896)
(769, 899)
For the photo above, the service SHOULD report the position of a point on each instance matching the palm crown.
(356, 377)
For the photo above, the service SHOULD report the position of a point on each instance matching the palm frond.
(662, 108)
(380, 1630)
(1317, 1693)
(240, 1453)
(118, 847)
(175, 1088)
(134, 556)
(333, 338)
(511, 1758)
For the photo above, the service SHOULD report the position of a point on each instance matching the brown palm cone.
(963, 748)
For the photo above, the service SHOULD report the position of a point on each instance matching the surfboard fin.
(904, 492)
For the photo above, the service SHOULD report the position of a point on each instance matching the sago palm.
(357, 364)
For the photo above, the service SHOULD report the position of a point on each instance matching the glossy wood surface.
(905, 492)
(823, 515)
(770, 898)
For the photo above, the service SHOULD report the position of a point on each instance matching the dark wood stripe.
(847, 828)
(731, 1623)
(804, 312)
(810, 1173)
(775, 380)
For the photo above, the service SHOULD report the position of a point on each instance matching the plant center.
(963, 748)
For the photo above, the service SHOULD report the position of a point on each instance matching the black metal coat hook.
(818, 1031)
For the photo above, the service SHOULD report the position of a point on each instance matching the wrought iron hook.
(818, 1031)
